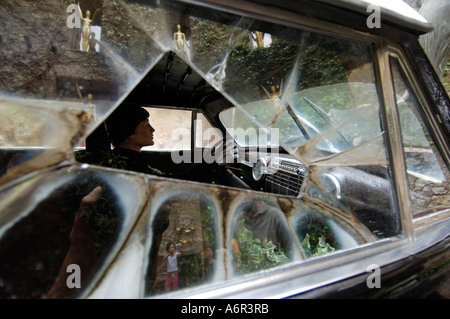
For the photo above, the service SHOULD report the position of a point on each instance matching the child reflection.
(171, 259)
(186, 225)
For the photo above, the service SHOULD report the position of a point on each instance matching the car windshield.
(308, 114)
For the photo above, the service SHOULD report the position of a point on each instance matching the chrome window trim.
(394, 136)
(284, 17)
(431, 118)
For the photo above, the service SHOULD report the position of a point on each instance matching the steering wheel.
(223, 152)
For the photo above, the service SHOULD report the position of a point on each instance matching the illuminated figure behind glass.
(179, 40)
(86, 28)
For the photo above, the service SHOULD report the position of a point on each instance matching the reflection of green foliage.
(414, 135)
(253, 68)
(254, 254)
(321, 248)
(317, 238)
(208, 226)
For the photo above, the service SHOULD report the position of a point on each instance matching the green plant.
(321, 248)
(317, 237)
(252, 69)
(255, 254)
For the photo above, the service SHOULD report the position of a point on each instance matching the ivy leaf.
(322, 242)
(305, 243)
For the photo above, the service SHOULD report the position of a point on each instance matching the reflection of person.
(266, 223)
(82, 251)
(129, 130)
(172, 265)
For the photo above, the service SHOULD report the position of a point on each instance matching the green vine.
(321, 248)
(318, 239)
(253, 69)
(256, 254)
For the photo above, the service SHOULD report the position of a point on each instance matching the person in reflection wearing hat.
(129, 130)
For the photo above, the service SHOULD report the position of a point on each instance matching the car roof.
(394, 11)
(398, 20)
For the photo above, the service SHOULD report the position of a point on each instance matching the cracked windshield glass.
(300, 108)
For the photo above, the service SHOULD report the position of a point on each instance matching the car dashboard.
(277, 174)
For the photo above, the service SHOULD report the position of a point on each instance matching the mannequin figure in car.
(130, 130)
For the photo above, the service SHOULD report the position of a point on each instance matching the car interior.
(331, 181)
(172, 84)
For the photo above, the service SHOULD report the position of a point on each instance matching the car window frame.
(306, 275)
(193, 128)
(431, 123)
(380, 250)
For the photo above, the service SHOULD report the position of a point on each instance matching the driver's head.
(123, 121)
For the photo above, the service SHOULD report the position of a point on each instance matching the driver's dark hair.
(123, 121)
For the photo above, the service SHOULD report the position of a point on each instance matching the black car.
(301, 151)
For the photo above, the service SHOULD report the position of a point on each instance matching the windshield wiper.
(326, 117)
(297, 121)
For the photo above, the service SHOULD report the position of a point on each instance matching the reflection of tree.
(252, 69)
(198, 266)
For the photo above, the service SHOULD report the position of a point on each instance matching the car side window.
(172, 129)
(428, 176)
